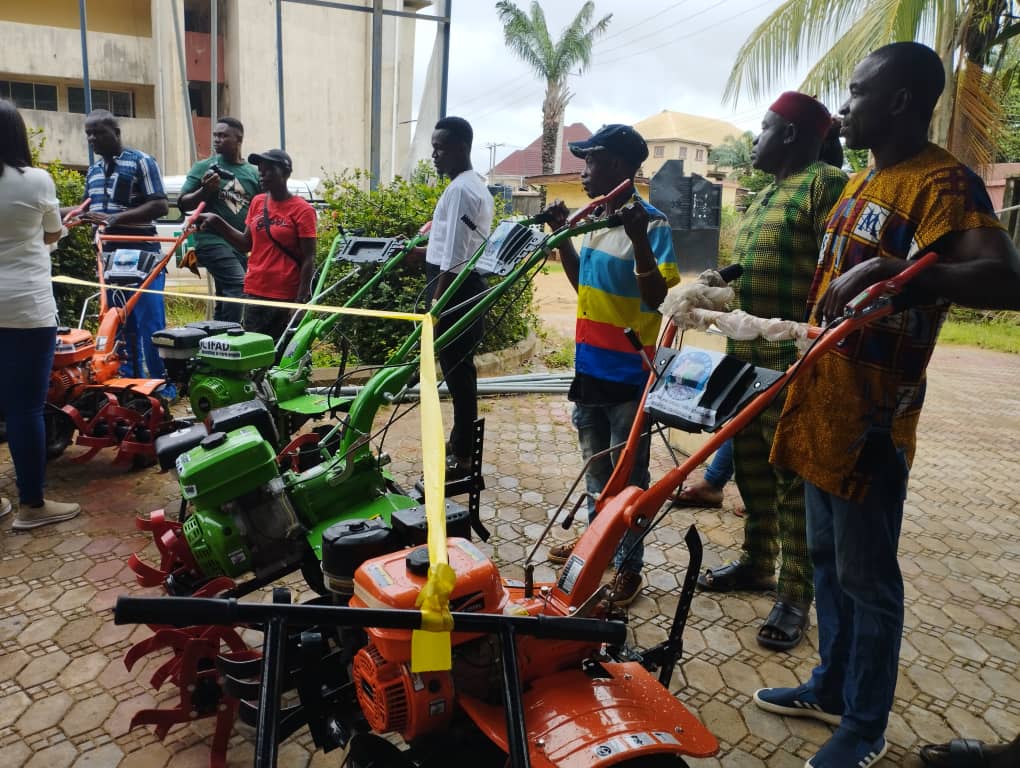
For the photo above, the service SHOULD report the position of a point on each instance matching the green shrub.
(400, 208)
(75, 256)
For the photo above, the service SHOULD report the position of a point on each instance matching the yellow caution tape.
(430, 646)
(386, 315)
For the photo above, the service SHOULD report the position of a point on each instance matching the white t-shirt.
(451, 241)
(28, 207)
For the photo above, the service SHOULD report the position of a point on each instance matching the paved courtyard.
(66, 698)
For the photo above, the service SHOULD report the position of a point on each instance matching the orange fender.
(576, 721)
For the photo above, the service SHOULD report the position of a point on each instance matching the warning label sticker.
(568, 577)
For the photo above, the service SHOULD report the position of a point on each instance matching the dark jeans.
(598, 427)
(458, 361)
(22, 400)
(271, 321)
(227, 268)
(859, 597)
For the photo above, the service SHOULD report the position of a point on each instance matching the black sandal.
(787, 618)
(734, 577)
(960, 753)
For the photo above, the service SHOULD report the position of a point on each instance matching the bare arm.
(977, 268)
(556, 214)
(651, 284)
(307, 245)
(145, 214)
(241, 241)
(49, 238)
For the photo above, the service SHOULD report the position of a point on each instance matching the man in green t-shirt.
(226, 184)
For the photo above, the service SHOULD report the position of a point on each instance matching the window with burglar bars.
(120, 103)
(30, 95)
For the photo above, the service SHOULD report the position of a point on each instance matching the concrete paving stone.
(726, 721)
(43, 668)
(44, 713)
(106, 755)
(60, 755)
(88, 714)
(82, 670)
(40, 631)
(12, 706)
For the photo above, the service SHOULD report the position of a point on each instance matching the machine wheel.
(59, 432)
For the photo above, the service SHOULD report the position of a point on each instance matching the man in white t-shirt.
(451, 244)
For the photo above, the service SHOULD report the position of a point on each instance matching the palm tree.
(528, 37)
(969, 36)
(734, 153)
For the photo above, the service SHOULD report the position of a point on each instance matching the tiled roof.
(528, 161)
(679, 125)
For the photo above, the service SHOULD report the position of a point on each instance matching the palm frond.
(829, 77)
(575, 44)
(978, 119)
(795, 30)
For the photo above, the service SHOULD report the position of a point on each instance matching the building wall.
(124, 17)
(132, 46)
(694, 155)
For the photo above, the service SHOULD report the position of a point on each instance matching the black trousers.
(457, 358)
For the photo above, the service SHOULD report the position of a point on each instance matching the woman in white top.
(29, 223)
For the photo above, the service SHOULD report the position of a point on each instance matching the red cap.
(803, 110)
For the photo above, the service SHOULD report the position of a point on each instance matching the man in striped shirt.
(126, 189)
(621, 276)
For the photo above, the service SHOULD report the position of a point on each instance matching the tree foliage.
(836, 34)
(734, 152)
(527, 35)
(399, 209)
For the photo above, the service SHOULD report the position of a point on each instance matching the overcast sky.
(655, 55)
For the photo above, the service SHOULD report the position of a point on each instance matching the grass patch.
(183, 311)
(996, 335)
(552, 268)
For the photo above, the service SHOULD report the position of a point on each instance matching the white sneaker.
(5, 506)
(50, 512)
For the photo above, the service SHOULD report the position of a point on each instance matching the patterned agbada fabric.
(777, 245)
(874, 383)
(609, 300)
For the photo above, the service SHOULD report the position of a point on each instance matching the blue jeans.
(598, 427)
(141, 356)
(720, 471)
(227, 268)
(22, 400)
(859, 597)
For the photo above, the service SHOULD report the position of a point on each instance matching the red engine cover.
(385, 582)
(393, 699)
(75, 346)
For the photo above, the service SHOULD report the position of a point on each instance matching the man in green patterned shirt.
(777, 245)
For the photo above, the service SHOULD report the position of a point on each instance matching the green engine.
(246, 516)
(218, 369)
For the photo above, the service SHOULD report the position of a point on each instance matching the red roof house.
(528, 161)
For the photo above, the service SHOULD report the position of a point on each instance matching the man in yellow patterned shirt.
(848, 427)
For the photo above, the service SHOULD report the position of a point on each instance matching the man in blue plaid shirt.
(126, 189)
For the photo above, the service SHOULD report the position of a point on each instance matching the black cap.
(620, 140)
(277, 156)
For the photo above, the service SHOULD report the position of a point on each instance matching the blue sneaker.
(794, 702)
(846, 749)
